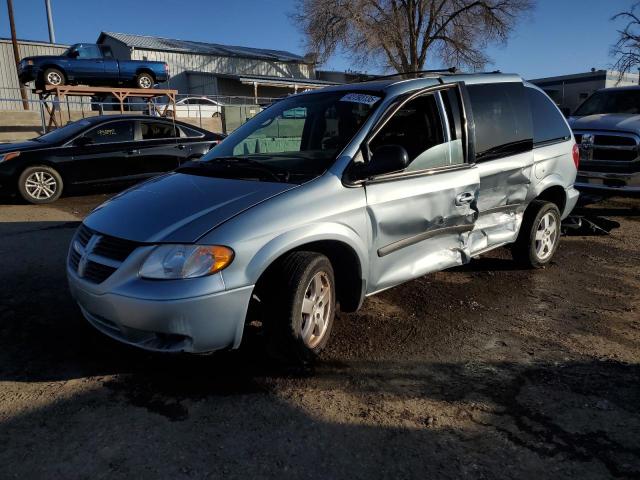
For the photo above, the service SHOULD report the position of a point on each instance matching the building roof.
(148, 42)
(270, 80)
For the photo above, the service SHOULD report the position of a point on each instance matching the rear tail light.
(576, 155)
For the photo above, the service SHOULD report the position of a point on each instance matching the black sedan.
(99, 150)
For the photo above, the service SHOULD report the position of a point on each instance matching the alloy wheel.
(316, 309)
(41, 185)
(547, 235)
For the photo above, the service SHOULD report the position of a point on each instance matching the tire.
(144, 80)
(302, 288)
(53, 76)
(40, 184)
(539, 235)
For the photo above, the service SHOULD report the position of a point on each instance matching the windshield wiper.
(226, 164)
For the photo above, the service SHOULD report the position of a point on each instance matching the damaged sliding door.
(421, 217)
(504, 156)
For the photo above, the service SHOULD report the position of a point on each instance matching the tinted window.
(548, 123)
(157, 130)
(502, 119)
(417, 126)
(189, 132)
(611, 101)
(112, 132)
(106, 51)
(90, 51)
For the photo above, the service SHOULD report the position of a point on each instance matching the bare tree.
(627, 49)
(404, 35)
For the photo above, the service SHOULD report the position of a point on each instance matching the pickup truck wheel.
(301, 306)
(53, 76)
(539, 235)
(144, 80)
(40, 184)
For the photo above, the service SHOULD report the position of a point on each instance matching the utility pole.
(52, 34)
(16, 54)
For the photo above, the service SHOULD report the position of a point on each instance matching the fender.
(291, 240)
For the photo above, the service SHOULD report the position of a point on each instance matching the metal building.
(569, 91)
(213, 69)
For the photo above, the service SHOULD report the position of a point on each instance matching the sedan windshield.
(612, 101)
(293, 140)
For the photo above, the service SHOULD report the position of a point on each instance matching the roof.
(147, 42)
(269, 80)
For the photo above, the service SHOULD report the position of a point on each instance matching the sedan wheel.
(40, 184)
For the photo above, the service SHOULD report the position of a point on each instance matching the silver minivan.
(322, 199)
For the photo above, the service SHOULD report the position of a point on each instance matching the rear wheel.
(539, 235)
(301, 305)
(53, 76)
(40, 184)
(144, 80)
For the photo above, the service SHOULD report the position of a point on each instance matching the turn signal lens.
(185, 261)
(9, 156)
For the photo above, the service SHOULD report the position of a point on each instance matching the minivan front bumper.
(200, 324)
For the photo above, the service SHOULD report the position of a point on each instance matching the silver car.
(321, 200)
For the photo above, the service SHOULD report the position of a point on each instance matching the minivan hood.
(607, 121)
(178, 207)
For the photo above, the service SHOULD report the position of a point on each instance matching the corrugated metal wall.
(9, 85)
(181, 62)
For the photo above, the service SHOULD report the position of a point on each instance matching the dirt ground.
(485, 371)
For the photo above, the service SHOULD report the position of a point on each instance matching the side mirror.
(82, 141)
(387, 159)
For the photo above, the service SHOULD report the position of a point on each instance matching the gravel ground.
(484, 371)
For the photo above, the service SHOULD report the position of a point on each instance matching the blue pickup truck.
(90, 64)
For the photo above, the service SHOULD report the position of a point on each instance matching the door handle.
(464, 198)
(133, 152)
(182, 147)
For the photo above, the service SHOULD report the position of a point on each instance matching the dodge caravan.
(321, 200)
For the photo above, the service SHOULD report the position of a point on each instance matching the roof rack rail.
(416, 72)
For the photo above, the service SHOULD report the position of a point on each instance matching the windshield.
(295, 139)
(613, 101)
(64, 133)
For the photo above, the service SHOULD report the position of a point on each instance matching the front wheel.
(54, 77)
(539, 235)
(144, 80)
(40, 184)
(301, 306)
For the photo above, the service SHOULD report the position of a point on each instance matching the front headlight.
(185, 261)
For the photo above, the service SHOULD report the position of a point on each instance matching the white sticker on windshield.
(360, 98)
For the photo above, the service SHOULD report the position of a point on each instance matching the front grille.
(607, 147)
(97, 272)
(95, 257)
(114, 248)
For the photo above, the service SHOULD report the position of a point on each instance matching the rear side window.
(548, 124)
(189, 132)
(157, 130)
(502, 118)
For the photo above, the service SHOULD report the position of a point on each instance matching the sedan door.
(159, 147)
(421, 217)
(102, 154)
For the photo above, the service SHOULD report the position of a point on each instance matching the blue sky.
(559, 37)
